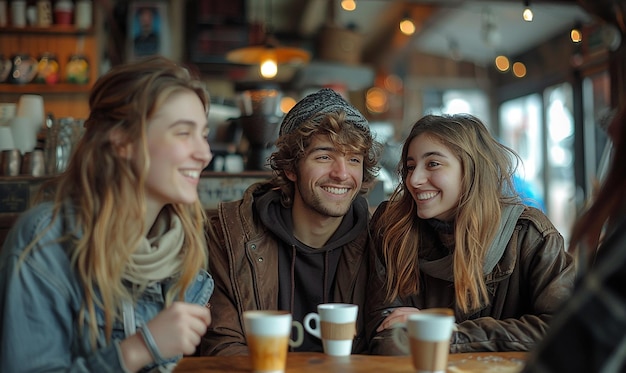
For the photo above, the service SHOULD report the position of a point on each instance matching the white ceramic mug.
(429, 333)
(335, 325)
(268, 337)
(6, 138)
(31, 106)
(18, 13)
(24, 132)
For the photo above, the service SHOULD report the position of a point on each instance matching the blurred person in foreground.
(299, 239)
(108, 274)
(588, 333)
(455, 234)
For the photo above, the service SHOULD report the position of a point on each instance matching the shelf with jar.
(48, 47)
(46, 72)
(48, 67)
(64, 79)
(57, 15)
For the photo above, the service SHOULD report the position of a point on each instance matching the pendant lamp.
(268, 55)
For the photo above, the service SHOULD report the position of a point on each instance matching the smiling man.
(299, 239)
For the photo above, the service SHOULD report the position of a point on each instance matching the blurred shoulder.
(38, 222)
(36, 218)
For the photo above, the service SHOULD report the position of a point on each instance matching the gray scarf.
(443, 268)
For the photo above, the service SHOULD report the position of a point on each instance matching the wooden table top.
(483, 362)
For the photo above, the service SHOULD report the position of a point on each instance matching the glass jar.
(77, 69)
(48, 70)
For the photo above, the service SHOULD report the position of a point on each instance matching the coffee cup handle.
(396, 335)
(307, 324)
(300, 333)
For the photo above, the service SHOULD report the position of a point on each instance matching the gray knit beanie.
(323, 101)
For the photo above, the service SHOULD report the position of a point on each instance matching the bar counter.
(303, 362)
(17, 193)
(212, 188)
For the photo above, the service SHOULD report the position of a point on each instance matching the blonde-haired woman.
(454, 234)
(109, 273)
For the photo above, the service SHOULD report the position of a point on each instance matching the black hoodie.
(307, 275)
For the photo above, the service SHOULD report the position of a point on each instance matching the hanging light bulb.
(576, 34)
(269, 66)
(519, 69)
(527, 14)
(502, 63)
(407, 26)
(348, 5)
(268, 54)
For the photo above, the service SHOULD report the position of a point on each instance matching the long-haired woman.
(108, 274)
(454, 234)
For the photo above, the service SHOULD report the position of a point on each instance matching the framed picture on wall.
(148, 29)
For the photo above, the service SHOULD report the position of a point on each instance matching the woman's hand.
(398, 315)
(177, 330)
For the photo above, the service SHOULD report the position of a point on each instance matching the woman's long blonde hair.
(107, 190)
(487, 168)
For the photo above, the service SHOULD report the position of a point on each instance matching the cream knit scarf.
(159, 255)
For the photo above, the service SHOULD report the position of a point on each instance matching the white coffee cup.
(429, 334)
(24, 132)
(6, 138)
(31, 106)
(268, 337)
(335, 325)
(18, 13)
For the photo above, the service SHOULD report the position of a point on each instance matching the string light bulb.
(519, 69)
(407, 26)
(527, 14)
(502, 63)
(576, 34)
(348, 5)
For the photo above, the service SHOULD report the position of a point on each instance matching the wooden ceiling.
(439, 23)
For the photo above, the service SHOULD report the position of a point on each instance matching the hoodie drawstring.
(325, 299)
(293, 278)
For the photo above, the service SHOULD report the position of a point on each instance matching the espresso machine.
(260, 120)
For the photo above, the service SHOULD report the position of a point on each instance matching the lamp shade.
(252, 55)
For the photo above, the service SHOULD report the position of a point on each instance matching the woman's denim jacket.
(40, 300)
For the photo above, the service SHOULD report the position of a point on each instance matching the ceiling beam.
(385, 39)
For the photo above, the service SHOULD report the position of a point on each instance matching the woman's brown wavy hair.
(109, 190)
(487, 168)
